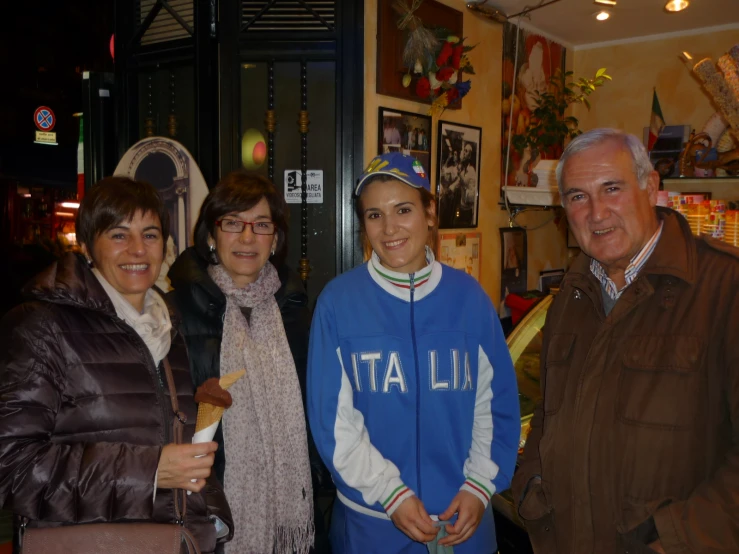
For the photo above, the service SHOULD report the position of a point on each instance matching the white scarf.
(153, 325)
(267, 478)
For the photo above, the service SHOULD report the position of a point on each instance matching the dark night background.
(44, 48)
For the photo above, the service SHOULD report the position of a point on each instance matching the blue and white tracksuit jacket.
(411, 390)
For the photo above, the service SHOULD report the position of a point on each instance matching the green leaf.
(468, 69)
(607, 77)
(600, 72)
(587, 104)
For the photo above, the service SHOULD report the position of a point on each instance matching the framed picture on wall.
(530, 60)
(457, 175)
(405, 132)
(391, 42)
(513, 262)
(462, 251)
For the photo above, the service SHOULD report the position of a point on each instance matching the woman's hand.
(412, 519)
(470, 510)
(185, 466)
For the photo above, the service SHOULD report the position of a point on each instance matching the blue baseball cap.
(401, 166)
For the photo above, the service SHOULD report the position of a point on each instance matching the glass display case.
(524, 344)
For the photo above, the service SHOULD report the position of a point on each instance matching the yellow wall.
(482, 108)
(637, 68)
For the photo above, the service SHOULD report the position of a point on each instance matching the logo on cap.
(418, 168)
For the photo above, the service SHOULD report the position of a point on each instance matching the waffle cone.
(230, 378)
(208, 414)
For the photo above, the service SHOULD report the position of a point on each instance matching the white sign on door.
(294, 188)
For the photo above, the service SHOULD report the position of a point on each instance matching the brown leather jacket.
(84, 412)
(638, 435)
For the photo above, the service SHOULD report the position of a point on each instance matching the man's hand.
(180, 464)
(470, 510)
(657, 547)
(412, 519)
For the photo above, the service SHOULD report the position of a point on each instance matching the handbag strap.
(178, 423)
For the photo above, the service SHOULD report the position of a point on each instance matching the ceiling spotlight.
(676, 5)
(602, 15)
(687, 56)
(605, 2)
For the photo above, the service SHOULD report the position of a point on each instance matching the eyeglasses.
(238, 226)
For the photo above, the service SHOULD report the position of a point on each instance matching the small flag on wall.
(81, 160)
(656, 122)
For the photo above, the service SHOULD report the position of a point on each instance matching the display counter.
(524, 344)
(720, 188)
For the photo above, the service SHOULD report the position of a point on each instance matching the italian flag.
(656, 123)
(80, 161)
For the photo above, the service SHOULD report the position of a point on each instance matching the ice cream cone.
(208, 414)
(230, 378)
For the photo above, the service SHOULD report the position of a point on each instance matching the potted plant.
(542, 132)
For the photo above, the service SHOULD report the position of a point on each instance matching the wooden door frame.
(346, 48)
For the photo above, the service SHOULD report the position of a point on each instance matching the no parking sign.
(45, 120)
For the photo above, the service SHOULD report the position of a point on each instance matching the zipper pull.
(412, 276)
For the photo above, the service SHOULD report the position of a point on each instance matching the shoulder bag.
(120, 538)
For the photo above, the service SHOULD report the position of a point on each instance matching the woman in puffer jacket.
(85, 411)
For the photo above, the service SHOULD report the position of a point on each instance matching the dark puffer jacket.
(200, 307)
(84, 413)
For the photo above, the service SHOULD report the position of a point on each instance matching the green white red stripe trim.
(396, 497)
(482, 491)
(406, 283)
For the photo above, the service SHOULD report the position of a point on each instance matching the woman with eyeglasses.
(239, 312)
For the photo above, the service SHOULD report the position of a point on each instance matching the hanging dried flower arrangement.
(436, 60)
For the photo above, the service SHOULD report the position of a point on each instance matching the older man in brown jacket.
(635, 447)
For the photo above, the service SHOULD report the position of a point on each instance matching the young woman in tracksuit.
(412, 397)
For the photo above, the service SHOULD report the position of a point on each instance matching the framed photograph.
(514, 261)
(405, 132)
(550, 278)
(458, 171)
(462, 251)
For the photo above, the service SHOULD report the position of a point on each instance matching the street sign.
(44, 137)
(44, 118)
(294, 186)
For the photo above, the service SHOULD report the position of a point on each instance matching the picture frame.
(531, 59)
(549, 279)
(458, 155)
(513, 261)
(406, 132)
(462, 251)
(391, 42)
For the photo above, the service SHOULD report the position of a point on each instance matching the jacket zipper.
(158, 377)
(418, 389)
